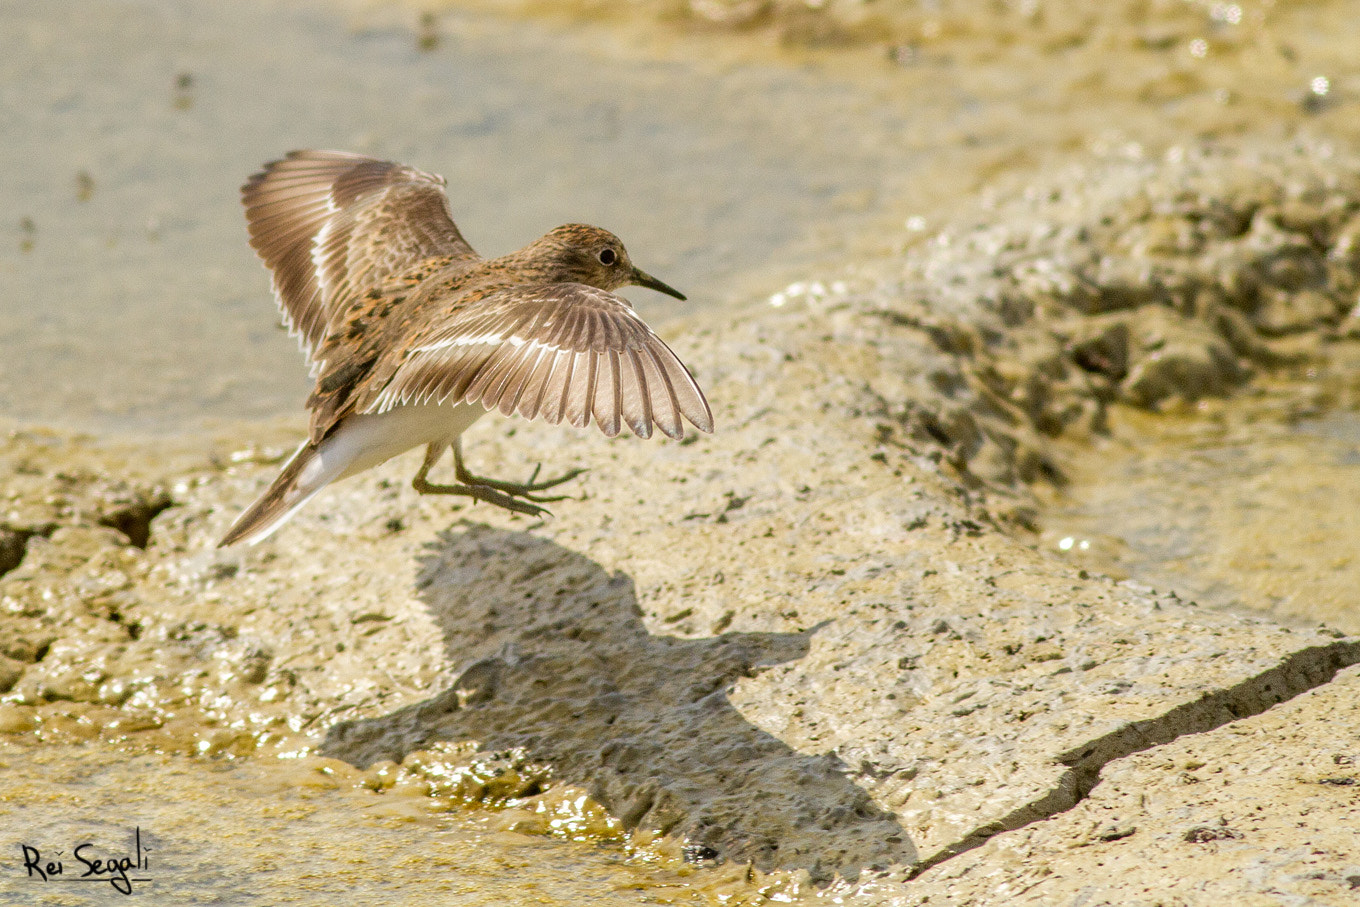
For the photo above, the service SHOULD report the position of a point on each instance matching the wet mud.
(839, 657)
(1014, 520)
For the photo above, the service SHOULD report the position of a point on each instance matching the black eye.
(607, 256)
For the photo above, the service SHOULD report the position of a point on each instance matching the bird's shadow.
(561, 665)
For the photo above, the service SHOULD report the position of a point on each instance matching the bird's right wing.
(555, 351)
(331, 225)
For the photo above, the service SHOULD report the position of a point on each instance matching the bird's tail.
(301, 479)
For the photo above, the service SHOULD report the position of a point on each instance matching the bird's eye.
(607, 256)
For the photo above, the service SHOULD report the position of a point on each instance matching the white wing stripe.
(486, 340)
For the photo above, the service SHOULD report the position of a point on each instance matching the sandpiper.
(411, 335)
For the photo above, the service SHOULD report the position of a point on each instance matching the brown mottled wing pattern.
(331, 225)
(555, 351)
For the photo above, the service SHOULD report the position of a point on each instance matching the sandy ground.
(819, 642)
(836, 650)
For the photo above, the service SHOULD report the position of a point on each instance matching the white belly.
(364, 441)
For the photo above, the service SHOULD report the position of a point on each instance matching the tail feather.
(299, 482)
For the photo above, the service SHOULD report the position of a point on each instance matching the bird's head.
(580, 253)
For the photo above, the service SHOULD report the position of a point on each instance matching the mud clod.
(13, 544)
(1203, 834)
(131, 513)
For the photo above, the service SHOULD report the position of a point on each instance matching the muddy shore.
(821, 643)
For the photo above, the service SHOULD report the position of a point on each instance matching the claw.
(514, 496)
(518, 489)
(489, 495)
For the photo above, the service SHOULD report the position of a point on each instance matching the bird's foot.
(517, 503)
(519, 489)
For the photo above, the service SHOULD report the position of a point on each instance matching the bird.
(411, 336)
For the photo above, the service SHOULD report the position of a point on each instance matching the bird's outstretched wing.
(331, 225)
(555, 351)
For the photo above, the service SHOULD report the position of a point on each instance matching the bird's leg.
(477, 492)
(520, 498)
(525, 490)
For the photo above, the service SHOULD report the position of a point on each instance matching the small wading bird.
(412, 335)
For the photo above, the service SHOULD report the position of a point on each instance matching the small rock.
(1202, 834)
(1114, 831)
(1189, 371)
(10, 671)
(16, 719)
(1283, 312)
(1106, 353)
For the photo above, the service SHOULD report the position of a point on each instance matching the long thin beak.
(643, 279)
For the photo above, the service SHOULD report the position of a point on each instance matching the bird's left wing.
(555, 351)
(331, 225)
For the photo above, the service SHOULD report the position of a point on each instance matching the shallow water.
(134, 303)
(254, 834)
(730, 167)
(1231, 506)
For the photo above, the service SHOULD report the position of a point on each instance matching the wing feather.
(500, 356)
(330, 225)
(560, 352)
(581, 394)
(501, 375)
(665, 411)
(529, 394)
(636, 406)
(558, 387)
(453, 383)
(689, 398)
(606, 402)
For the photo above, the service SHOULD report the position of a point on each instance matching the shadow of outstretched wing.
(561, 665)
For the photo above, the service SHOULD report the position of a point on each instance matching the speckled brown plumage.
(395, 310)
